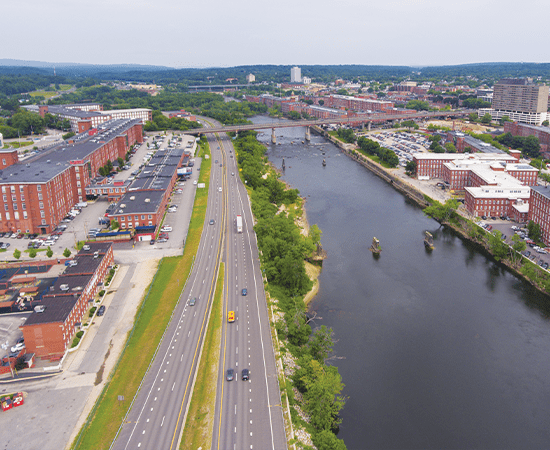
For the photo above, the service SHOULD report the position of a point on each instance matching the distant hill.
(489, 72)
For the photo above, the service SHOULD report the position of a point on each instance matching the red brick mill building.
(38, 192)
(49, 330)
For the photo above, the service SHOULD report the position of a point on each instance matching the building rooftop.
(51, 162)
(542, 190)
(57, 309)
(139, 202)
(69, 285)
(505, 192)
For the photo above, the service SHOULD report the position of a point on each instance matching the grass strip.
(151, 321)
(200, 419)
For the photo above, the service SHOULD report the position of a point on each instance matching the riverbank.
(526, 270)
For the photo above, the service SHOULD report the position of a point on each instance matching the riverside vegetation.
(283, 250)
(509, 255)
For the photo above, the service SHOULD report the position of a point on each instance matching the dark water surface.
(437, 350)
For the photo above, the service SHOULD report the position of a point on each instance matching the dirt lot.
(460, 126)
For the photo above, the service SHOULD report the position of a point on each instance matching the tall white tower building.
(295, 75)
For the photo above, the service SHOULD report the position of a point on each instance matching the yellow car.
(231, 316)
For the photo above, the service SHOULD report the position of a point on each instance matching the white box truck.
(239, 224)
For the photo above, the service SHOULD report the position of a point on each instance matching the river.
(441, 349)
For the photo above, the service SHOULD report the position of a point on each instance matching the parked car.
(18, 347)
(166, 228)
(101, 310)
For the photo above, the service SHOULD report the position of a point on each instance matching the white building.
(250, 78)
(1, 140)
(295, 75)
(306, 80)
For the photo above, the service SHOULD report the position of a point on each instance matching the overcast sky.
(206, 33)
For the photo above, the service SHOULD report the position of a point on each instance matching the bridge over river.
(365, 119)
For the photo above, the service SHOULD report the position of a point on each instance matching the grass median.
(200, 418)
(151, 321)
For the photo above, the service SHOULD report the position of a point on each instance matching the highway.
(248, 413)
(158, 411)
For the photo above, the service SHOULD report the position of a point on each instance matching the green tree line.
(282, 252)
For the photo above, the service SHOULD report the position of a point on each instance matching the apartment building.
(520, 100)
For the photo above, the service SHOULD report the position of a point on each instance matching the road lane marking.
(162, 421)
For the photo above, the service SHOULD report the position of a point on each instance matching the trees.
(545, 123)
(410, 168)
(472, 117)
(442, 212)
(322, 397)
(410, 124)
(66, 253)
(486, 119)
(49, 252)
(32, 252)
(518, 246)
(294, 115)
(17, 253)
(346, 134)
(450, 147)
(497, 246)
(419, 105)
(534, 231)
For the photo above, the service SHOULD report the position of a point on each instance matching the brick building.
(539, 210)
(8, 157)
(91, 114)
(143, 206)
(49, 330)
(524, 130)
(497, 201)
(38, 193)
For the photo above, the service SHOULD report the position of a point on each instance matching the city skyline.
(390, 33)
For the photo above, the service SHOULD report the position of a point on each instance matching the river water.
(437, 350)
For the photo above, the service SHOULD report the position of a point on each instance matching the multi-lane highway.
(248, 412)
(158, 411)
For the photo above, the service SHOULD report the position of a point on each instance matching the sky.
(221, 33)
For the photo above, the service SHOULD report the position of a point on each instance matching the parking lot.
(505, 227)
(405, 145)
(89, 217)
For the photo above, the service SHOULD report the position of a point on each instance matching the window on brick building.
(15, 206)
(12, 188)
(39, 188)
(43, 221)
(13, 198)
(25, 215)
(42, 214)
(7, 216)
(6, 207)
(16, 215)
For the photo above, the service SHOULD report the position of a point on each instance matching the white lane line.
(174, 385)
(143, 432)
(235, 409)
(162, 420)
(189, 333)
(155, 399)
(181, 359)
(147, 420)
